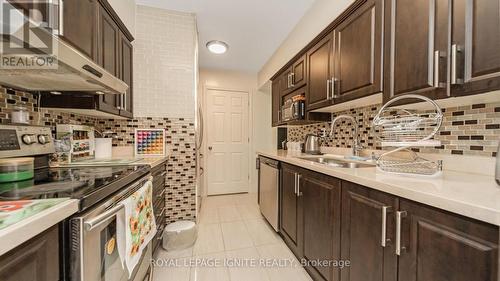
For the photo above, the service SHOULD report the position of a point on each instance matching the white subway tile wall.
(164, 63)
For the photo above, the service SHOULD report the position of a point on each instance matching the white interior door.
(227, 142)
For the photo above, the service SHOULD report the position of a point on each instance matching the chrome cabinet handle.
(399, 217)
(384, 240)
(437, 57)
(61, 17)
(288, 81)
(295, 184)
(328, 89)
(299, 177)
(292, 80)
(334, 80)
(455, 49)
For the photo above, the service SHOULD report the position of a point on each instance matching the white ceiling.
(253, 29)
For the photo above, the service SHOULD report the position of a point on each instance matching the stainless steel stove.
(87, 236)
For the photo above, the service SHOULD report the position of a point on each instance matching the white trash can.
(179, 235)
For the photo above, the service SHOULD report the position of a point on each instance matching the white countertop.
(152, 161)
(18, 233)
(470, 195)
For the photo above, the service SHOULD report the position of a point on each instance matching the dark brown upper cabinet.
(367, 216)
(126, 74)
(294, 77)
(475, 45)
(94, 28)
(358, 56)
(291, 215)
(79, 26)
(108, 57)
(321, 200)
(320, 72)
(416, 48)
(276, 102)
(437, 245)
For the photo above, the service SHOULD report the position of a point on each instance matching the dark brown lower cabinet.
(35, 260)
(321, 201)
(291, 214)
(326, 219)
(441, 246)
(363, 213)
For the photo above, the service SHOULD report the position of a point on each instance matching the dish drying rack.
(404, 129)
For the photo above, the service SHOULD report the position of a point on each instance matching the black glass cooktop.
(88, 184)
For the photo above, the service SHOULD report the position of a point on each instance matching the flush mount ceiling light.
(217, 47)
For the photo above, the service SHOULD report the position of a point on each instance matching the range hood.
(71, 71)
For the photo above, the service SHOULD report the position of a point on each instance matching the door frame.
(204, 146)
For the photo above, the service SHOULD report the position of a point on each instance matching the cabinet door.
(291, 210)
(416, 48)
(286, 81)
(441, 246)
(362, 234)
(109, 38)
(475, 66)
(276, 102)
(299, 72)
(79, 27)
(126, 74)
(320, 73)
(321, 201)
(358, 57)
(35, 260)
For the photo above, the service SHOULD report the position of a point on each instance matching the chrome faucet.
(356, 147)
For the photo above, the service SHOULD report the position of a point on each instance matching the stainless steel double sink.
(339, 163)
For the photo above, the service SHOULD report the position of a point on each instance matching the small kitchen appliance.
(293, 108)
(312, 145)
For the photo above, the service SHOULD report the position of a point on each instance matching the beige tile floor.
(234, 243)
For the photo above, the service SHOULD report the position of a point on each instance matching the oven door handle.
(95, 222)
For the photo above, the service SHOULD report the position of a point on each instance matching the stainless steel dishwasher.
(269, 174)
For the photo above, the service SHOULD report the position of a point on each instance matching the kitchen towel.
(136, 226)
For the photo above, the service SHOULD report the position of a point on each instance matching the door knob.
(209, 148)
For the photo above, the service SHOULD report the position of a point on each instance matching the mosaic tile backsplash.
(466, 130)
(180, 138)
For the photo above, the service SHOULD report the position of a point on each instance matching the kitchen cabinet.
(276, 102)
(416, 48)
(437, 245)
(291, 215)
(358, 53)
(93, 28)
(382, 236)
(475, 41)
(294, 77)
(320, 71)
(36, 259)
(321, 206)
(109, 56)
(126, 75)
(79, 26)
(366, 218)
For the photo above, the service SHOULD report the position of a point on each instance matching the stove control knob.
(43, 139)
(29, 139)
